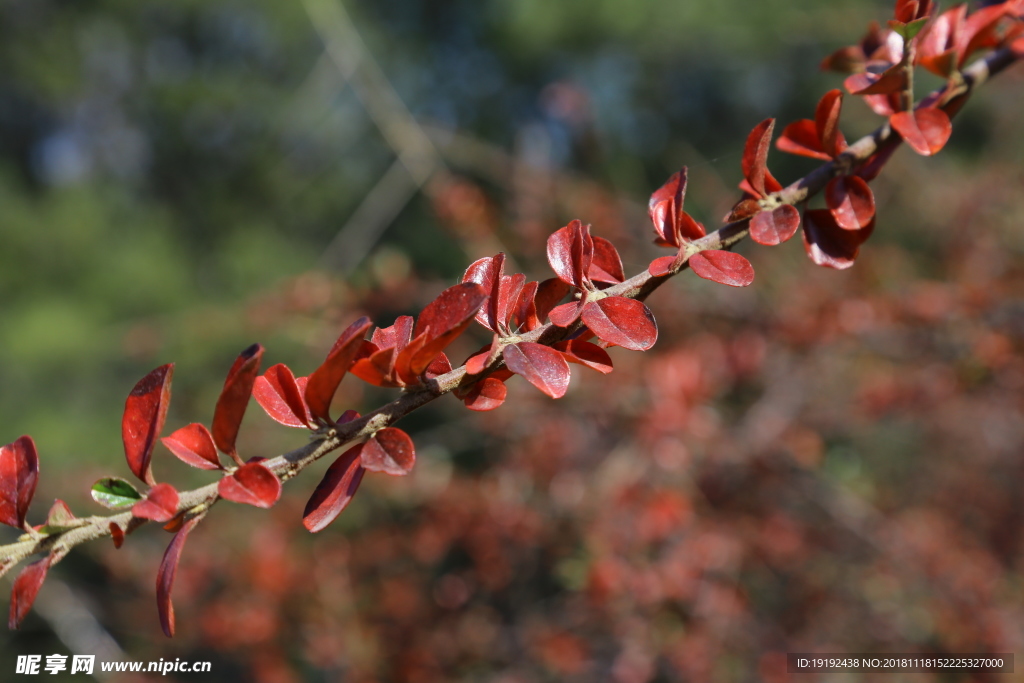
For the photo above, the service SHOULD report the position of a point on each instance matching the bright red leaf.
(251, 484)
(117, 535)
(159, 505)
(144, 414)
(801, 137)
(925, 130)
(661, 266)
(324, 381)
(390, 451)
(165, 576)
(851, 202)
(234, 398)
(723, 267)
(542, 366)
(826, 123)
(755, 156)
(607, 264)
(335, 490)
(19, 474)
(193, 444)
(570, 253)
(26, 587)
(443, 319)
(774, 227)
(281, 396)
(624, 322)
(585, 353)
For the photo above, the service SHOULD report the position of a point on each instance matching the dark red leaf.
(165, 576)
(566, 314)
(444, 319)
(585, 353)
(542, 366)
(193, 444)
(723, 267)
(925, 130)
(487, 273)
(487, 394)
(661, 266)
(775, 227)
(479, 361)
(117, 535)
(335, 490)
(826, 122)
(144, 414)
(324, 381)
(870, 169)
(801, 137)
(570, 253)
(549, 293)
(744, 208)
(849, 59)
(851, 202)
(377, 369)
(980, 31)
(281, 396)
(251, 484)
(439, 366)
(396, 336)
(607, 264)
(19, 474)
(755, 155)
(508, 298)
(526, 307)
(891, 81)
(829, 245)
(624, 322)
(391, 451)
(665, 207)
(25, 589)
(234, 398)
(159, 505)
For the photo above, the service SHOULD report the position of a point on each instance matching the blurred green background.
(178, 180)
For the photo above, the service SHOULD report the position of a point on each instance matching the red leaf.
(874, 164)
(324, 381)
(117, 535)
(891, 81)
(193, 444)
(570, 253)
(801, 137)
(508, 298)
(487, 273)
(851, 202)
(159, 505)
(234, 398)
(251, 484)
(665, 207)
(397, 336)
(335, 490)
(925, 130)
(439, 366)
(144, 414)
(624, 322)
(849, 59)
(487, 394)
(826, 122)
(585, 353)
(165, 576)
(723, 267)
(661, 266)
(775, 227)
(607, 264)
(391, 451)
(19, 474)
(542, 366)
(755, 155)
(827, 244)
(443, 320)
(26, 587)
(281, 396)
(377, 369)
(566, 314)
(526, 307)
(549, 293)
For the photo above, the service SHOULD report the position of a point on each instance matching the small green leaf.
(115, 493)
(908, 31)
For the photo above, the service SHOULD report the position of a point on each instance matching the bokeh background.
(825, 461)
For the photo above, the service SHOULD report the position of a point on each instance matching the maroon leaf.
(723, 267)
(144, 414)
(665, 205)
(281, 396)
(487, 273)
(624, 322)
(445, 317)
(508, 298)
(775, 227)
(165, 576)
(159, 505)
(826, 122)
(324, 381)
(801, 137)
(193, 444)
(390, 451)
(117, 535)
(234, 398)
(827, 244)
(851, 202)
(439, 366)
(487, 394)
(890, 82)
(585, 353)
(526, 307)
(19, 474)
(755, 155)
(542, 366)
(607, 264)
(251, 484)
(661, 266)
(549, 293)
(925, 130)
(335, 490)
(570, 253)
(26, 587)
(566, 314)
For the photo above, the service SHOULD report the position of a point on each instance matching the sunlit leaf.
(234, 398)
(755, 156)
(540, 365)
(159, 505)
(390, 451)
(144, 414)
(26, 587)
(281, 396)
(115, 493)
(826, 123)
(723, 267)
(585, 353)
(775, 227)
(801, 137)
(487, 394)
(487, 273)
(323, 382)
(251, 484)
(624, 322)
(193, 444)
(19, 474)
(925, 130)
(851, 202)
(570, 253)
